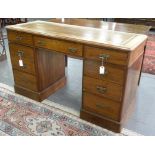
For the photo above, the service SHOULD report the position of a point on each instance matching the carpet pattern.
(149, 59)
(25, 117)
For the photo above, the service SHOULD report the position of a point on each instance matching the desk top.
(130, 28)
(87, 35)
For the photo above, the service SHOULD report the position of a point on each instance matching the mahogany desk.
(106, 99)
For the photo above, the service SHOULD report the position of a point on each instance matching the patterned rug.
(21, 116)
(149, 59)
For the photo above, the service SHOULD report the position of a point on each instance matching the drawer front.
(101, 106)
(112, 73)
(25, 80)
(102, 88)
(69, 48)
(20, 37)
(110, 56)
(26, 54)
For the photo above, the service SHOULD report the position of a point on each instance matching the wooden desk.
(106, 99)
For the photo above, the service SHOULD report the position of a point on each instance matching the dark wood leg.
(142, 65)
(66, 60)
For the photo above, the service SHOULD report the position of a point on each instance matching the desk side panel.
(51, 67)
(131, 87)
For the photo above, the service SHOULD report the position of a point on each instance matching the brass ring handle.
(73, 50)
(104, 56)
(101, 89)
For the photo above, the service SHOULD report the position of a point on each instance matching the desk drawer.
(66, 47)
(101, 106)
(20, 37)
(27, 55)
(102, 88)
(25, 80)
(114, 57)
(112, 73)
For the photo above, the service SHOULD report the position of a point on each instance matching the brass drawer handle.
(19, 37)
(20, 53)
(41, 43)
(101, 106)
(73, 50)
(101, 89)
(104, 56)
